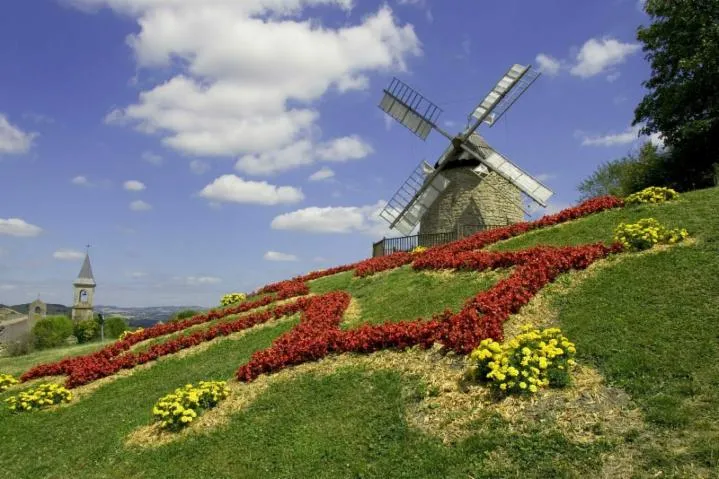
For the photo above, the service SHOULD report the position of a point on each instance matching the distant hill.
(52, 309)
(144, 316)
(141, 316)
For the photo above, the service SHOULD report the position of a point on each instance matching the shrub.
(115, 326)
(51, 331)
(523, 365)
(177, 410)
(6, 381)
(22, 345)
(232, 298)
(645, 233)
(653, 194)
(86, 330)
(41, 397)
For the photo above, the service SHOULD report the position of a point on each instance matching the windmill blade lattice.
(404, 211)
(410, 108)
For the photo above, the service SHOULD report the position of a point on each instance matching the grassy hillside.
(645, 401)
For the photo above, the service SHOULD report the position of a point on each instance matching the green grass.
(19, 364)
(404, 294)
(649, 323)
(347, 424)
(694, 211)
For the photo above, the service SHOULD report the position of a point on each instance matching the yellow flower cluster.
(177, 410)
(42, 396)
(532, 360)
(653, 194)
(419, 249)
(125, 334)
(645, 233)
(6, 381)
(232, 298)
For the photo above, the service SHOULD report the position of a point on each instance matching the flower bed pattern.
(318, 333)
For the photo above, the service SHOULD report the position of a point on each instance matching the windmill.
(470, 183)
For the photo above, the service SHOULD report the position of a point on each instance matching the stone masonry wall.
(469, 200)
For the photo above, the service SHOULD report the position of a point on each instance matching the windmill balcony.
(387, 246)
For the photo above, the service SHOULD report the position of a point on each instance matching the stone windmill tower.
(84, 292)
(470, 184)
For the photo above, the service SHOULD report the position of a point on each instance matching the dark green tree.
(606, 179)
(634, 172)
(115, 326)
(52, 331)
(682, 103)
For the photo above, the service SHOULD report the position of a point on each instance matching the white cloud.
(657, 140)
(80, 181)
(612, 77)
(596, 56)
(14, 141)
(200, 280)
(334, 219)
(68, 255)
(152, 158)
(552, 208)
(303, 153)
(629, 136)
(548, 64)
(18, 227)
(276, 256)
(198, 167)
(139, 205)
(134, 185)
(138, 274)
(626, 137)
(323, 173)
(343, 149)
(545, 177)
(233, 95)
(388, 122)
(291, 156)
(7, 287)
(233, 189)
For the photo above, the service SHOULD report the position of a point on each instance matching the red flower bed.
(318, 333)
(108, 353)
(482, 316)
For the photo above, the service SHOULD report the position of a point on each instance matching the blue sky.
(209, 147)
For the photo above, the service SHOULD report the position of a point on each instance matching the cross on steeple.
(87, 248)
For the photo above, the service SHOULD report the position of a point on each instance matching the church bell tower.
(84, 291)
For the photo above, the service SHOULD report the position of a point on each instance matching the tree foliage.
(682, 103)
(52, 331)
(115, 326)
(634, 172)
(86, 330)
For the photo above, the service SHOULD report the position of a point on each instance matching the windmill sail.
(410, 108)
(503, 86)
(406, 208)
(505, 168)
(521, 85)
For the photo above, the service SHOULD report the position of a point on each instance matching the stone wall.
(469, 200)
(80, 313)
(14, 329)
